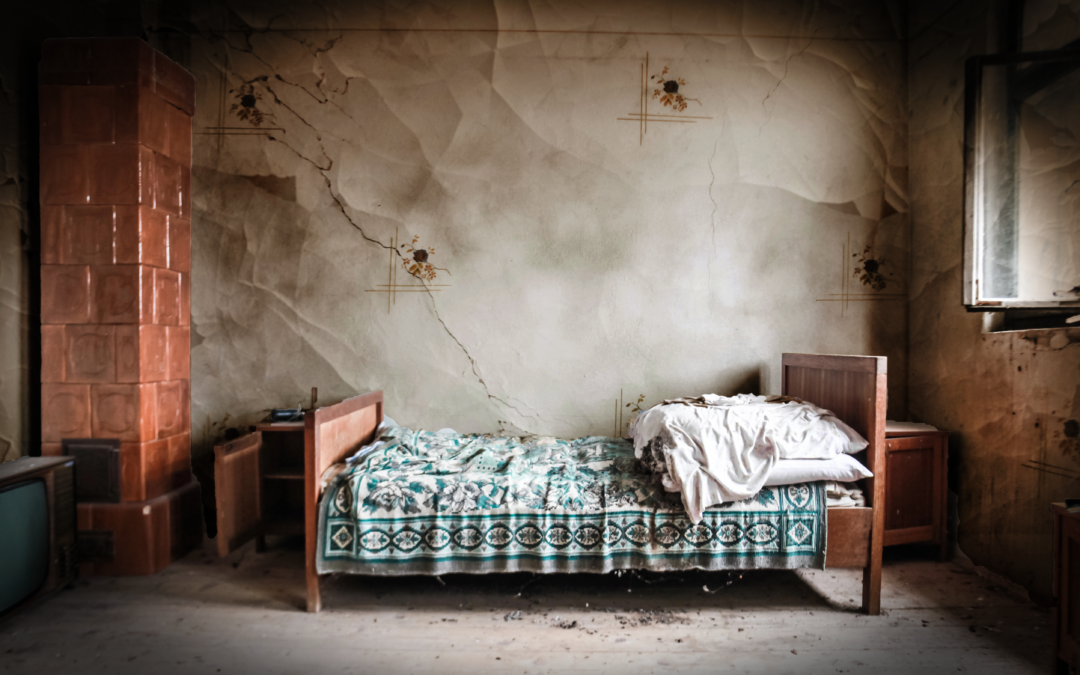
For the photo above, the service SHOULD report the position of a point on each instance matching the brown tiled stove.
(115, 123)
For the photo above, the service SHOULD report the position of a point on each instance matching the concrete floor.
(242, 615)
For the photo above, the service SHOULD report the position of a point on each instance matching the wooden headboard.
(846, 385)
(330, 435)
(854, 388)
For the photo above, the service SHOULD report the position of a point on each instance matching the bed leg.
(871, 594)
(312, 470)
(311, 573)
(314, 599)
(875, 453)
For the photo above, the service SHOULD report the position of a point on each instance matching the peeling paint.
(1002, 395)
(1051, 341)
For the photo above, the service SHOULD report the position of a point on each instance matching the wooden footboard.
(331, 434)
(854, 388)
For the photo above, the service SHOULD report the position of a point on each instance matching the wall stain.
(1052, 340)
(283, 187)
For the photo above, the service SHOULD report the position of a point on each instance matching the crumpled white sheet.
(724, 452)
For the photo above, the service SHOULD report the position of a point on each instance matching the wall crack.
(768, 113)
(341, 207)
(472, 361)
(716, 207)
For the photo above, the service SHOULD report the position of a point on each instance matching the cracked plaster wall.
(1007, 398)
(581, 260)
(14, 267)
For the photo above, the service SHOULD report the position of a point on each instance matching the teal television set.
(37, 529)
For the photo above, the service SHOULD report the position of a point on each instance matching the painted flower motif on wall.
(246, 105)
(417, 261)
(635, 409)
(870, 271)
(667, 90)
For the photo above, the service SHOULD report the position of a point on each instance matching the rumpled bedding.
(422, 502)
(716, 449)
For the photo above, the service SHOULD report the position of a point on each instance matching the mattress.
(439, 502)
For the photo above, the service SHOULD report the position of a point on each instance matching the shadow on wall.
(749, 383)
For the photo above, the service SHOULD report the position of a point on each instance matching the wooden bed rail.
(330, 435)
(854, 388)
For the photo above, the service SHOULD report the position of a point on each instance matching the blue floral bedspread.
(435, 503)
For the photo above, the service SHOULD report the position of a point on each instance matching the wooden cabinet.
(1066, 588)
(259, 481)
(916, 485)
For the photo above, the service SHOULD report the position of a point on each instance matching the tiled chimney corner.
(115, 125)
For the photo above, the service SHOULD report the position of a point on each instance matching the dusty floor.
(242, 615)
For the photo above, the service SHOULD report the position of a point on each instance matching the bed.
(633, 526)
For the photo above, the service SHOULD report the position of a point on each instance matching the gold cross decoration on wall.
(392, 287)
(667, 95)
(866, 270)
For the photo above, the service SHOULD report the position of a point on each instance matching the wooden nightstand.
(916, 490)
(1066, 588)
(260, 485)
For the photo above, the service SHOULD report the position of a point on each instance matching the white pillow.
(805, 431)
(843, 468)
(856, 443)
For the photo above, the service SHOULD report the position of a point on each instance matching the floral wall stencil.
(418, 261)
(635, 409)
(668, 90)
(624, 418)
(869, 271)
(246, 105)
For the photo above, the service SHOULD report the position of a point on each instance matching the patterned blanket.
(435, 503)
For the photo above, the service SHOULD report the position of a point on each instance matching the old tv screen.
(24, 531)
